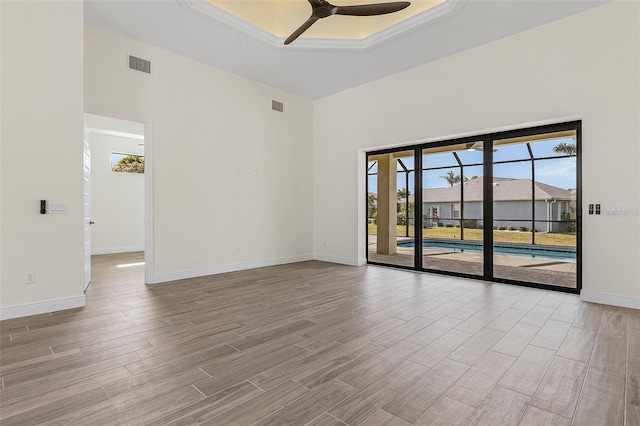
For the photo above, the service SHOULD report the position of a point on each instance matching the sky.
(560, 172)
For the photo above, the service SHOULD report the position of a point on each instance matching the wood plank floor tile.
(402, 331)
(536, 417)
(551, 335)
(538, 315)
(502, 407)
(252, 340)
(614, 322)
(516, 340)
(443, 310)
(602, 399)
(609, 355)
(207, 408)
(414, 400)
(361, 405)
(14, 401)
(57, 408)
(634, 318)
(382, 418)
(552, 299)
(578, 344)
(560, 387)
(331, 369)
(244, 370)
(130, 409)
(528, 370)
(435, 351)
(446, 412)
(310, 406)
(474, 386)
(310, 333)
(476, 346)
(530, 301)
(506, 320)
(565, 312)
(433, 331)
(589, 317)
(260, 406)
(632, 407)
(378, 366)
(477, 322)
(325, 419)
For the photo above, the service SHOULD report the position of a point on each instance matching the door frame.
(149, 270)
(487, 202)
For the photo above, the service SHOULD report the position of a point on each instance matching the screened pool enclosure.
(503, 207)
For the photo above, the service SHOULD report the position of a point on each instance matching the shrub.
(511, 228)
(457, 225)
(440, 224)
(470, 223)
(449, 225)
(480, 226)
(533, 230)
(523, 229)
(500, 228)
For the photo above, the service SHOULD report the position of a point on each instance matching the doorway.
(502, 207)
(115, 179)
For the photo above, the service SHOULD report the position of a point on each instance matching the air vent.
(277, 106)
(139, 64)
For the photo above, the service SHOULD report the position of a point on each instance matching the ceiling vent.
(277, 106)
(139, 64)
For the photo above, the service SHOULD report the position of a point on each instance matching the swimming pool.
(559, 254)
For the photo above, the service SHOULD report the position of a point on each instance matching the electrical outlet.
(31, 278)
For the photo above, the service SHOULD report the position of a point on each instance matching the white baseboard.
(342, 260)
(610, 299)
(194, 273)
(112, 250)
(18, 311)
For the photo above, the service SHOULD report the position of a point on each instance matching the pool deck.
(542, 271)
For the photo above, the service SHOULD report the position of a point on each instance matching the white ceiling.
(316, 71)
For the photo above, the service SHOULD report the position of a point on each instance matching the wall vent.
(139, 64)
(277, 106)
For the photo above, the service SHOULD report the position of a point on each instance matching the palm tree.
(565, 148)
(403, 194)
(451, 178)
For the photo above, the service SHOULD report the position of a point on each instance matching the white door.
(87, 208)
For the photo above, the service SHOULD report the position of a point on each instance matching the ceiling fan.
(322, 9)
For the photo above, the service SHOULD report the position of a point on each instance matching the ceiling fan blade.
(371, 9)
(304, 27)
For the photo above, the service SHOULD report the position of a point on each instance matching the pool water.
(560, 254)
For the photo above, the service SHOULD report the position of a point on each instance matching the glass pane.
(533, 220)
(451, 227)
(509, 152)
(391, 210)
(554, 147)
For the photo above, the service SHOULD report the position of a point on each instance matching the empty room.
(299, 212)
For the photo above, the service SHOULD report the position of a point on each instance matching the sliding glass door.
(503, 207)
(534, 209)
(391, 208)
(452, 218)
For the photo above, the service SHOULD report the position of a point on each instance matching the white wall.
(41, 137)
(117, 199)
(232, 179)
(586, 65)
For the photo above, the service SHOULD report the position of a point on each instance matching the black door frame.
(487, 140)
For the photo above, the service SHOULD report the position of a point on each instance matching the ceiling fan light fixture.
(323, 9)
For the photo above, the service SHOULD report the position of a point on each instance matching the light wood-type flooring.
(320, 344)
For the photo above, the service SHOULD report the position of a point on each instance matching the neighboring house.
(512, 204)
